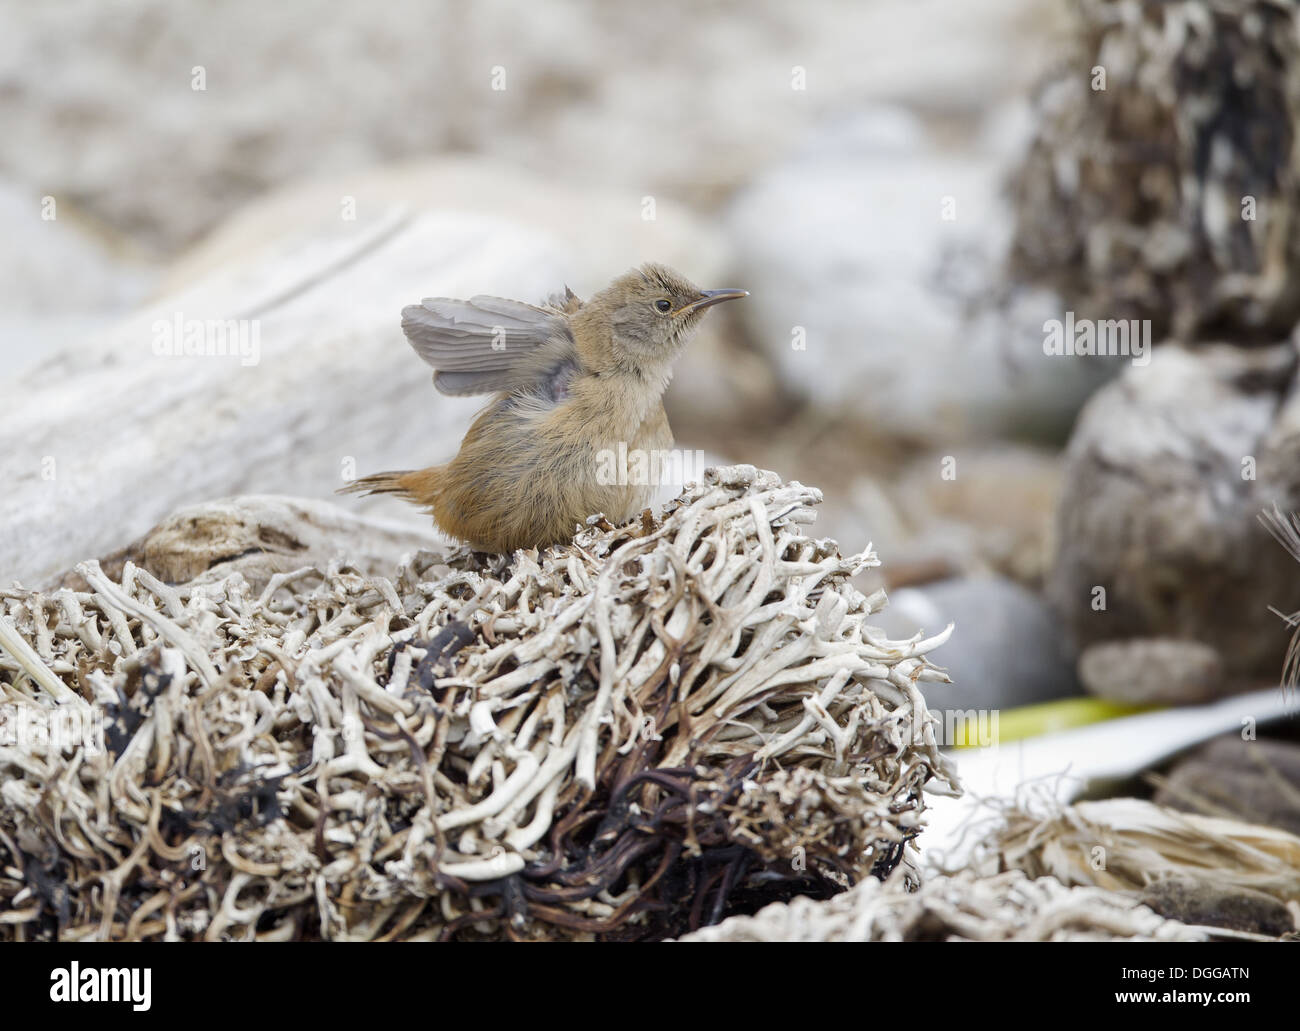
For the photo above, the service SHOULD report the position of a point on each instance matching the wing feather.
(462, 384)
(487, 343)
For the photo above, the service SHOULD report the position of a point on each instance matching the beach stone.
(1256, 781)
(1202, 903)
(1005, 652)
(873, 254)
(1147, 670)
(1157, 531)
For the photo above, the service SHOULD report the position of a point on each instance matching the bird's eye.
(664, 305)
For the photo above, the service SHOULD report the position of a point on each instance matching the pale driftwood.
(99, 443)
(261, 536)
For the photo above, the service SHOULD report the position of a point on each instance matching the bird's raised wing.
(488, 344)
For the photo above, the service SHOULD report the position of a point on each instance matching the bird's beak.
(708, 298)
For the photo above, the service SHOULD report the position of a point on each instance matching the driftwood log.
(105, 439)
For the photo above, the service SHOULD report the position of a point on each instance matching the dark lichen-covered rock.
(1256, 780)
(1157, 534)
(1201, 903)
(1152, 670)
(1131, 199)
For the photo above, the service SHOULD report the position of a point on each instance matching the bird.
(574, 382)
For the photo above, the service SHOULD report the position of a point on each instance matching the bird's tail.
(379, 483)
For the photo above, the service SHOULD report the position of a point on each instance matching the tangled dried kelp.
(1230, 873)
(964, 907)
(1163, 182)
(628, 736)
(1286, 530)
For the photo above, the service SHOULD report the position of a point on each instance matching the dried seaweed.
(1118, 869)
(1286, 530)
(630, 736)
(964, 907)
(1128, 843)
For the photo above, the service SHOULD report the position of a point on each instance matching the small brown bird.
(574, 384)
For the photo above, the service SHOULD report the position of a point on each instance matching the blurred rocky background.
(910, 190)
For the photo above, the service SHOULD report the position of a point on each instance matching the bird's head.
(651, 312)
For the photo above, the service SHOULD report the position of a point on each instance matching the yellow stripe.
(1046, 718)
